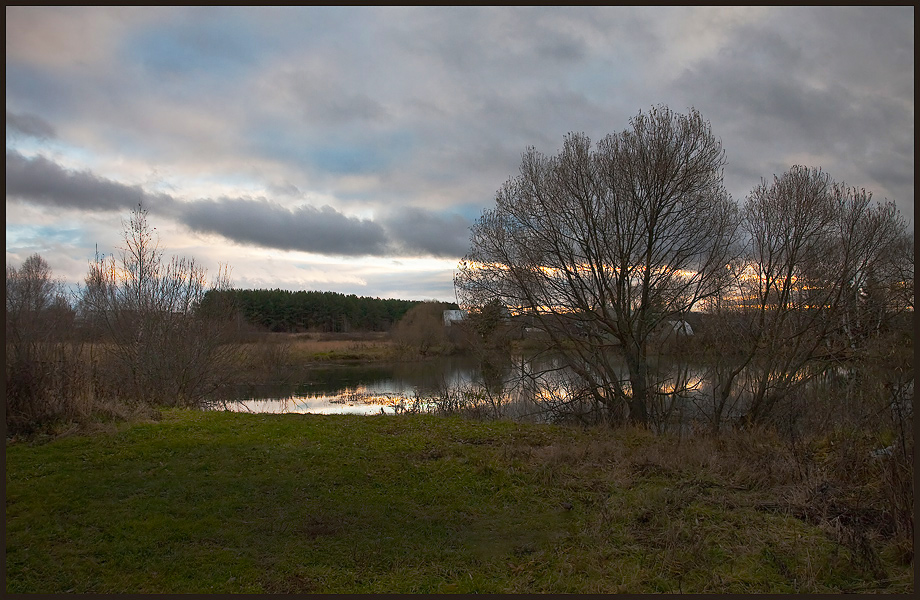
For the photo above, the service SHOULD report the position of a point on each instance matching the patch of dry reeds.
(860, 497)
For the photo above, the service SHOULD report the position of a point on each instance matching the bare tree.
(32, 296)
(167, 352)
(604, 246)
(39, 356)
(814, 247)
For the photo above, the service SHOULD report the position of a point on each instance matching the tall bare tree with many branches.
(605, 245)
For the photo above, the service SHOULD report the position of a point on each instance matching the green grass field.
(230, 502)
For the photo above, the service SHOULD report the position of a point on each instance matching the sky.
(349, 149)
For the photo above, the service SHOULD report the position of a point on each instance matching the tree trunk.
(638, 379)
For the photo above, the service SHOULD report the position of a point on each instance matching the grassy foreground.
(231, 502)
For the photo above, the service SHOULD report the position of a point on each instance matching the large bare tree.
(603, 246)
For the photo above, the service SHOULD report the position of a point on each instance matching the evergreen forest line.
(297, 311)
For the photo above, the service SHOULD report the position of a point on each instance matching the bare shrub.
(164, 346)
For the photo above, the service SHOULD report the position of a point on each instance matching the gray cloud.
(29, 125)
(844, 98)
(422, 285)
(329, 106)
(403, 232)
(378, 109)
(422, 232)
(41, 181)
(264, 223)
(285, 189)
(260, 222)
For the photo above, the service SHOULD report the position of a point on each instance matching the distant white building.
(453, 316)
(680, 327)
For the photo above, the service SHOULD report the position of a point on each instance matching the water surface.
(356, 389)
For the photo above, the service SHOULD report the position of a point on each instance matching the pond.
(461, 384)
(451, 383)
(388, 388)
(356, 389)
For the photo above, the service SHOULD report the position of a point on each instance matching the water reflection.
(349, 403)
(526, 389)
(518, 387)
(355, 389)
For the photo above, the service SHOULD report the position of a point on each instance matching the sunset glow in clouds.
(349, 149)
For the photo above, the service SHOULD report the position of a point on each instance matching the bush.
(45, 378)
(422, 331)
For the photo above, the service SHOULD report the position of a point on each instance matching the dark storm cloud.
(29, 125)
(761, 85)
(41, 181)
(268, 224)
(418, 231)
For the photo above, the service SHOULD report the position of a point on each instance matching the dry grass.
(862, 502)
(278, 355)
(63, 384)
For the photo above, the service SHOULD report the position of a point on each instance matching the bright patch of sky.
(40, 236)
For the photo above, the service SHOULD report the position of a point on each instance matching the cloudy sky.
(350, 149)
